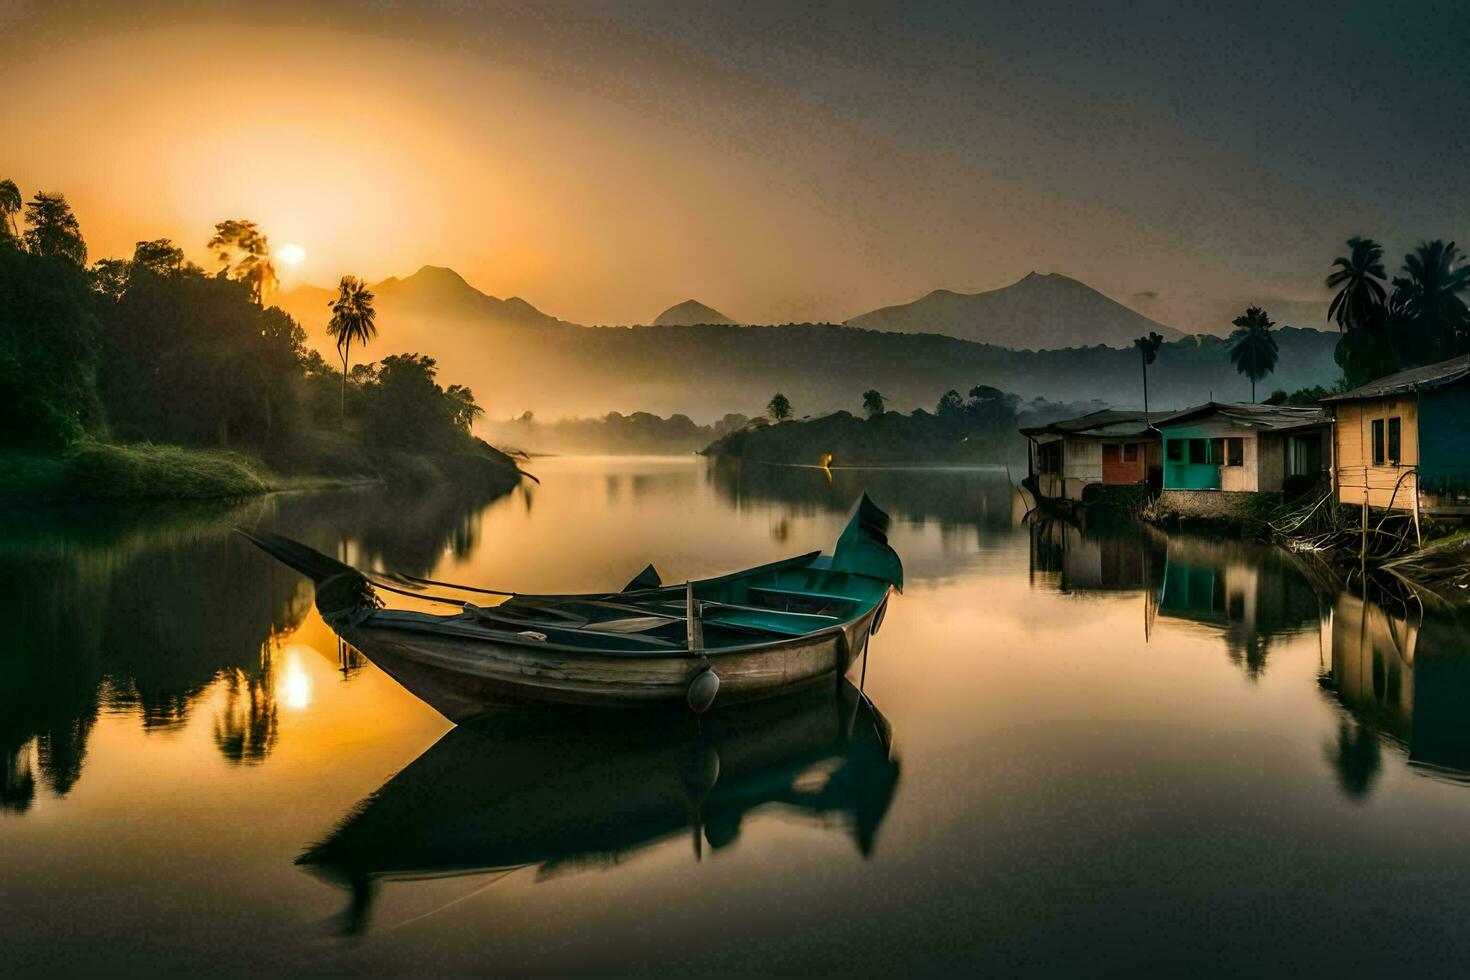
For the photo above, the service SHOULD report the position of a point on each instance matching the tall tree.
(779, 407)
(9, 208)
(1148, 350)
(159, 256)
(53, 230)
(353, 318)
(1437, 316)
(1253, 350)
(1360, 310)
(244, 255)
(460, 403)
(1358, 278)
(873, 402)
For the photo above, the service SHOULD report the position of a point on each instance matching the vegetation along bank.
(149, 377)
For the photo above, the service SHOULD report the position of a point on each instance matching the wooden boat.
(750, 634)
(567, 791)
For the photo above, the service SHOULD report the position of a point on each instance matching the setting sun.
(290, 254)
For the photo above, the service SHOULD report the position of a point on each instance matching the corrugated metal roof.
(1278, 418)
(1414, 379)
(1110, 422)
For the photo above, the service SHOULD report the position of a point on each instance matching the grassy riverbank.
(105, 472)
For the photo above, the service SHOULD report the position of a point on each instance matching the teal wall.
(1185, 475)
(1444, 440)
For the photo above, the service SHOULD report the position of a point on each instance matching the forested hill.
(707, 371)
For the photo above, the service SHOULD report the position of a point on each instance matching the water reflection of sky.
(1117, 740)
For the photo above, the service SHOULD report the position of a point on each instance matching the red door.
(1122, 462)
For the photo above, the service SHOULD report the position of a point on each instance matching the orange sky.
(775, 165)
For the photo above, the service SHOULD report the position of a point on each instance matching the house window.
(1217, 451)
(1378, 454)
(1395, 439)
(1235, 451)
(1049, 457)
(1176, 450)
(1304, 455)
(1110, 453)
(1130, 452)
(1199, 450)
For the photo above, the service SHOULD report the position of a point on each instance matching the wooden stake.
(1363, 544)
(1418, 536)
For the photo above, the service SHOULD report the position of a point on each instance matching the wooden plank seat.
(772, 622)
(781, 592)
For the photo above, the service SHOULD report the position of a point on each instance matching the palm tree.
(1361, 310)
(9, 208)
(1437, 275)
(779, 407)
(1254, 351)
(1358, 280)
(873, 402)
(1148, 349)
(353, 318)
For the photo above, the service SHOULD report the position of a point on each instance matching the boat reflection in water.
(1404, 678)
(563, 791)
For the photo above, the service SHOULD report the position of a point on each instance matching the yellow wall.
(1353, 452)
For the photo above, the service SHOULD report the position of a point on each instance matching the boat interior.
(778, 601)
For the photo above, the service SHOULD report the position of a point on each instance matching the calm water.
(1126, 751)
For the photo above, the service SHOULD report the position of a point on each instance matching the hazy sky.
(776, 161)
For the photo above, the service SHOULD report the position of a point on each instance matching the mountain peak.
(433, 293)
(1038, 311)
(439, 273)
(690, 313)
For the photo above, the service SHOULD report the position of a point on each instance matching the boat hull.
(463, 678)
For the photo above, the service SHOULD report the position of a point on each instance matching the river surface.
(1086, 752)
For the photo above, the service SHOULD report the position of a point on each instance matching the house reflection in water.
(1404, 680)
(1249, 592)
(1067, 559)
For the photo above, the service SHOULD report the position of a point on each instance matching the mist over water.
(1191, 750)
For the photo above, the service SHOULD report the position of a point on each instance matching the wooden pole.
(694, 630)
(1418, 536)
(1363, 543)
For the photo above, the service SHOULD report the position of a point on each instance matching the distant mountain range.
(517, 358)
(1039, 312)
(690, 313)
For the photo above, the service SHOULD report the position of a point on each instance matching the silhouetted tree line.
(614, 433)
(583, 369)
(979, 428)
(155, 348)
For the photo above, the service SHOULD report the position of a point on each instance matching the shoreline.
(96, 473)
(1440, 567)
